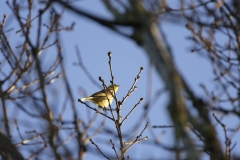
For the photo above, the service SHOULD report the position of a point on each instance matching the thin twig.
(141, 99)
(113, 147)
(227, 140)
(137, 138)
(163, 126)
(99, 149)
(133, 87)
(97, 111)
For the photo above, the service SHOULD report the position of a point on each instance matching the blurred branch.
(80, 63)
(7, 150)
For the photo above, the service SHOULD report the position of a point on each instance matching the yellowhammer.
(100, 99)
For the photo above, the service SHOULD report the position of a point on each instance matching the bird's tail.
(86, 99)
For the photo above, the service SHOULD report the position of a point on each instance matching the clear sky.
(95, 41)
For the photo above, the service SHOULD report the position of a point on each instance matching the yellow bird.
(101, 98)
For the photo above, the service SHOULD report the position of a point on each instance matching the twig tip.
(110, 54)
(100, 79)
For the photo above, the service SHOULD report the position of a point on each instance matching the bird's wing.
(101, 93)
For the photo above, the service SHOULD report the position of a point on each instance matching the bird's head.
(114, 86)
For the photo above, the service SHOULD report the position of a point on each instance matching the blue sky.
(95, 41)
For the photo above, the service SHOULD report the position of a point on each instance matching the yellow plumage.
(100, 99)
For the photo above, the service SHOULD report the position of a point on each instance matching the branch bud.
(100, 79)
(110, 54)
